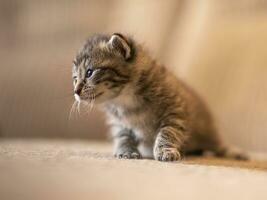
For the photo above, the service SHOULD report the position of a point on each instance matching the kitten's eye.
(89, 73)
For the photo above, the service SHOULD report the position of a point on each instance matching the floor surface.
(64, 169)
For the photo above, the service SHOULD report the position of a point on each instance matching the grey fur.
(150, 111)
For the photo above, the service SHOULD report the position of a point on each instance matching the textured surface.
(42, 169)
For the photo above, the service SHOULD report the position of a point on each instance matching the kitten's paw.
(167, 154)
(128, 155)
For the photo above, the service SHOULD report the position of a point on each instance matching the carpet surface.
(64, 169)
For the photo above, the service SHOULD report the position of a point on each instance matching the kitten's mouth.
(78, 98)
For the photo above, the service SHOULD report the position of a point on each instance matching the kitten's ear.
(119, 42)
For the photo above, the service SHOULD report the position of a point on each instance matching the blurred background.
(219, 47)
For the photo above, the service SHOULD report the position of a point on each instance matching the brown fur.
(151, 112)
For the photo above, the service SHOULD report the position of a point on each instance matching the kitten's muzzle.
(77, 97)
(78, 88)
(78, 91)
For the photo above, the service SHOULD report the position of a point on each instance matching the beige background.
(219, 47)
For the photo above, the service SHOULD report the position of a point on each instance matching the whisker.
(93, 101)
(79, 108)
(73, 107)
(83, 104)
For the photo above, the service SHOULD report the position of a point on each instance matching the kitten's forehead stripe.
(86, 62)
(81, 72)
(97, 53)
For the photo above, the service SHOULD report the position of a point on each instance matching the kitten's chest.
(127, 111)
(135, 119)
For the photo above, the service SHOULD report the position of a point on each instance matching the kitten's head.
(102, 67)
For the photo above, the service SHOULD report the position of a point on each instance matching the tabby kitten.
(150, 111)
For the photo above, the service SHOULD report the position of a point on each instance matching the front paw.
(167, 154)
(128, 154)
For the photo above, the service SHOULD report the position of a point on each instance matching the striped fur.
(150, 111)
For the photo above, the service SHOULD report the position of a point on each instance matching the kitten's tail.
(231, 153)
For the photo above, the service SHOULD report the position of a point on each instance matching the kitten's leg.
(168, 144)
(126, 145)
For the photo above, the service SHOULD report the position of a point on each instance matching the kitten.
(150, 111)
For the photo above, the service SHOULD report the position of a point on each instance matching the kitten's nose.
(78, 88)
